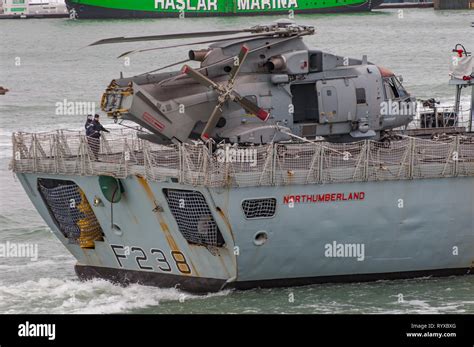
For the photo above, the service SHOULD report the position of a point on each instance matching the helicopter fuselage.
(306, 91)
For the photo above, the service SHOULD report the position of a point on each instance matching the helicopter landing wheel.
(386, 142)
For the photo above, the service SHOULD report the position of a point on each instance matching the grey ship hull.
(431, 233)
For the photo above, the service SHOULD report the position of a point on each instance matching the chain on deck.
(123, 154)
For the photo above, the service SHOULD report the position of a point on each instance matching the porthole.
(260, 238)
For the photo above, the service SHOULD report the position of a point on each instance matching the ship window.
(360, 95)
(259, 208)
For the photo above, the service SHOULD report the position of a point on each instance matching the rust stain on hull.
(169, 238)
(91, 257)
(223, 265)
(227, 222)
(164, 227)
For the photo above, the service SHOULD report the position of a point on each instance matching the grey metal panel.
(396, 239)
(141, 225)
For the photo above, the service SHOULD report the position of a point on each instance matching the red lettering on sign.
(153, 121)
(328, 197)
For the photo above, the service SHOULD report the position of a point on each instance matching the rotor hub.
(284, 27)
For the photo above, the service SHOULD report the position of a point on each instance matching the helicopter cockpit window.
(394, 89)
(390, 89)
(401, 91)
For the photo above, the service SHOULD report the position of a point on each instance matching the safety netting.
(259, 208)
(71, 211)
(226, 165)
(194, 218)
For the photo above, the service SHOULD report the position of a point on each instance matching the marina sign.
(212, 5)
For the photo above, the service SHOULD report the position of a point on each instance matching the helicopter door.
(328, 100)
(337, 100)
(305, 103)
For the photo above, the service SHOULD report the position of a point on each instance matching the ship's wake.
(61, 296)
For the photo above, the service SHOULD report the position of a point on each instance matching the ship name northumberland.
(211, 5)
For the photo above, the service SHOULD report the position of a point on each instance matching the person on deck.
(93, 133)
(89, 124)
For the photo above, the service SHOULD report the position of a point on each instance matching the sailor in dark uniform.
(89, 124)
(93, 133)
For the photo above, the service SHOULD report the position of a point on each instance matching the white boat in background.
(32, 8)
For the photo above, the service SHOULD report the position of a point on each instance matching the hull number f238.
(157, 256)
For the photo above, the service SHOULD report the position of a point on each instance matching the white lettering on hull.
(211, 5)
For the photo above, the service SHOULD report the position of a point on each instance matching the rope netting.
(123, 154)
(71, 211)
(194, 218)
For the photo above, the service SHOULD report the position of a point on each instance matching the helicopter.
(263, 85)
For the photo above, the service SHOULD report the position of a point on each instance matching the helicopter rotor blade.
(124, 54)
(199, 77)
(251, 107)
(166, 37)
(165, 67)
(238, 62)
(212, 122)
(196, 43)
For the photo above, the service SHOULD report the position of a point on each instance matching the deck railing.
(123, 154)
